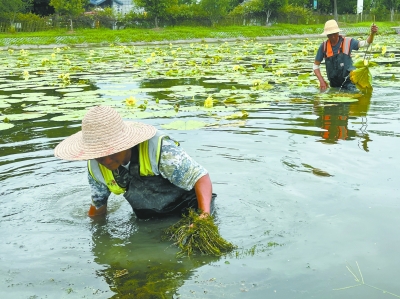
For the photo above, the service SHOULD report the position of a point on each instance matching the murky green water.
(305, 186)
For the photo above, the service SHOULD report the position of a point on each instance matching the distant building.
(120, 6)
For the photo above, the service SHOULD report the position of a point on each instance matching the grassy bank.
(107, 36)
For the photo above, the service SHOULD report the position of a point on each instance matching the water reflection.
(334, 119)
(137, 264)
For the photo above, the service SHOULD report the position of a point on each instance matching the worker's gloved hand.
(93, 211)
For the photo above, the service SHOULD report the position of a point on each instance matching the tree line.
(153, 13)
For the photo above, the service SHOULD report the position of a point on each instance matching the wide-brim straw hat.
(103, 133)
(331, 27)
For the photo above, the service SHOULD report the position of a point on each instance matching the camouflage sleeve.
(178, 167)
(99, 192)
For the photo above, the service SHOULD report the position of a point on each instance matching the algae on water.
(195, 234)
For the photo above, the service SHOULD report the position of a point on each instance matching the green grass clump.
(195, 234)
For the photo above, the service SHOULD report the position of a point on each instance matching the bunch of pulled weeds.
(195, 234)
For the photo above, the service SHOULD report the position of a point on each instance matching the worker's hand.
(323, 85)
(374, 29)
(204, 215)
(93, 211)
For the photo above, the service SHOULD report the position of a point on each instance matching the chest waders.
(148, 193)
(338, 66)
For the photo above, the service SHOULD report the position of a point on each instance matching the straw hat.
(103, 133)
(331, 26)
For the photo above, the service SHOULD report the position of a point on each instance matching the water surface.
(305, 188)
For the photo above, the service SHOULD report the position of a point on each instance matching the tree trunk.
(156, 21)
(335, 10)
(268, 15)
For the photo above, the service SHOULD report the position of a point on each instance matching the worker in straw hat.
(156, 176)
(337, 54)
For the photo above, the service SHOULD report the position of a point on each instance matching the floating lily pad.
(75, 89)
(185, 125)
(73, 116)
(5, 126)
(4, 105)
(22, 116)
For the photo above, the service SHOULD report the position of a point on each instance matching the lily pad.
(185, 125)
(5, 126)
(22, 116)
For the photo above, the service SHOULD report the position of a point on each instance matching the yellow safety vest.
(149, 157)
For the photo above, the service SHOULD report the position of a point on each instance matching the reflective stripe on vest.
(149, 157)
(103, 175)
(345, 47)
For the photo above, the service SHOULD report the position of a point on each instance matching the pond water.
(306, 182)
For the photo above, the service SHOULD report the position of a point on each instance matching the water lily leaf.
(239, 115)
(74, 116)
(213, 109)
(5, 126)
(361, 76)
(185, 125)
(22, 116)
(45, 109)
(303, 76)
(4, 105)
(252, 106)
(75, 89)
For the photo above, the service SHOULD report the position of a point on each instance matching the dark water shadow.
(137, 262)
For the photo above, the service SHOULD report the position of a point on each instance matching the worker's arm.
(370, 38)
(100, 194)
(374, 30)
(203, 189)
(322, 83)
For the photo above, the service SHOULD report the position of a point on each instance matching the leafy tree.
(215, 9)
(70, 8)
(186, 2)
(267, 7)
(42, 7)
(392, 6)
(12, 7)
(156, 8)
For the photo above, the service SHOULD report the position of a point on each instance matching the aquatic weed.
(195, 234)
(361, 282)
